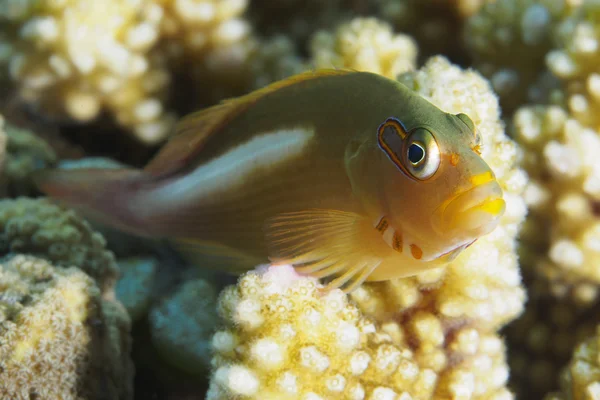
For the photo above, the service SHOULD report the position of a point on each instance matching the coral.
(541, 340)
(24, 153)
(575, 63)
(209, 42)
(58, 338)
(563, 228)
(435, 24)
(299, 19)
(559, 250)
(136, 285)
(364, 44)
(274, 59)
(74, 59)
(508, 41)
(183, 323)
(285, 340)
(581, 378)
(41, 228)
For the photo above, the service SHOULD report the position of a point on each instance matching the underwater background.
(87, 312)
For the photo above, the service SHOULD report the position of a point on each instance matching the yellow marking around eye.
(397, 241)
(477, 149)
(416, 251)
(482, 178)
(493, 207)
(454, 159)
(382, 225)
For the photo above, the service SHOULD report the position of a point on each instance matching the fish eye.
(422, 154)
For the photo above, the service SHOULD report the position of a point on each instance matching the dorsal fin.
(194, 129)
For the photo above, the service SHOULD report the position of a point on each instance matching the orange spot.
(416, 251)
(477, 149)
(454, 159)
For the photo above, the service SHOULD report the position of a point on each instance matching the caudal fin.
(103, 195)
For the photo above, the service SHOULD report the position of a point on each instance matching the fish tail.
(106, 196)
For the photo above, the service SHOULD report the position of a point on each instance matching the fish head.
(431, 183)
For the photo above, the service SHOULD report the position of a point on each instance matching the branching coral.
(211, 39)
(58, 338)
(561, 157)
(575, 62)
(560, 252)
(43, 229)
(364, 44)
(75, 58)
(509, 39)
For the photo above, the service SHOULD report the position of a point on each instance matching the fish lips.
(473, 212)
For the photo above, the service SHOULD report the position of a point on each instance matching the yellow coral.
(75, 58)
(284, 340)
(365, 44)
(562, 159)
(58, 338)
(38, 227)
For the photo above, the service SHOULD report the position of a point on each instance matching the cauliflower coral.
(74, 59)
(58, 338)
(365, 44)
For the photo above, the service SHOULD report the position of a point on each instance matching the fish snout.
(475, 211)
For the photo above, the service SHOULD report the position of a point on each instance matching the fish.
(348, 176)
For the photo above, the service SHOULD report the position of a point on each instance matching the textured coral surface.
(58, 338)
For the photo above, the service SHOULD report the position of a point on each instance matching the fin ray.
(335, 245)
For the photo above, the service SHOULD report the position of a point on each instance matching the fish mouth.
(475, 211)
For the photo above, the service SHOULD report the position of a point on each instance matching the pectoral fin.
(341, 246)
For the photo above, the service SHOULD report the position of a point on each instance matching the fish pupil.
(415, 153)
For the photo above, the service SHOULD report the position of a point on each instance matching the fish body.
(346, 175)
